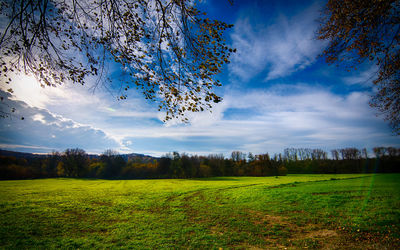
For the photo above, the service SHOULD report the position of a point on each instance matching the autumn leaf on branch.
(169, 49)
(367, 30)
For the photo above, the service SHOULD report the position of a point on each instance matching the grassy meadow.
(296, 211)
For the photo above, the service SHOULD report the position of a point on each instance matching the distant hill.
(131, 156)
(21, 154)
(139, 157)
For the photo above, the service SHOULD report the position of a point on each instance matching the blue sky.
(276, 94)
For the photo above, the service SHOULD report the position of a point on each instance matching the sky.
(277, 93)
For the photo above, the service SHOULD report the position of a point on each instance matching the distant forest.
(76, 163)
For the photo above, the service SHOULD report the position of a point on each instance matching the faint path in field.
(289, 184)
(280, 232)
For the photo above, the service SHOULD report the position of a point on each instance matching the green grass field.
(295, 211)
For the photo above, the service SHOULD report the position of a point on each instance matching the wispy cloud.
(277, 50)
(362, 77)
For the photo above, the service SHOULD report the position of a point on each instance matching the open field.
(295, 211)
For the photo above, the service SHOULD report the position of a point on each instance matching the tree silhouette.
(167, 49)
(113, 163)
(367, 30)
(75, 162)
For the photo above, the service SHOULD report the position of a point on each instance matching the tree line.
(76, 163)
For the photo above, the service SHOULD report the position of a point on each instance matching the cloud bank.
(42, 131)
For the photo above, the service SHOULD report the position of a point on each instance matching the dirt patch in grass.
(311, 236)
(323, 233)
(274, 219)
(267, 218)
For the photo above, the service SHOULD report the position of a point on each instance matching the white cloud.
(39, 118)
(268, 121)
(44, 131)
(279, 49)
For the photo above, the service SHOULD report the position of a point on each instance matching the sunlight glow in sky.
(276, 94)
